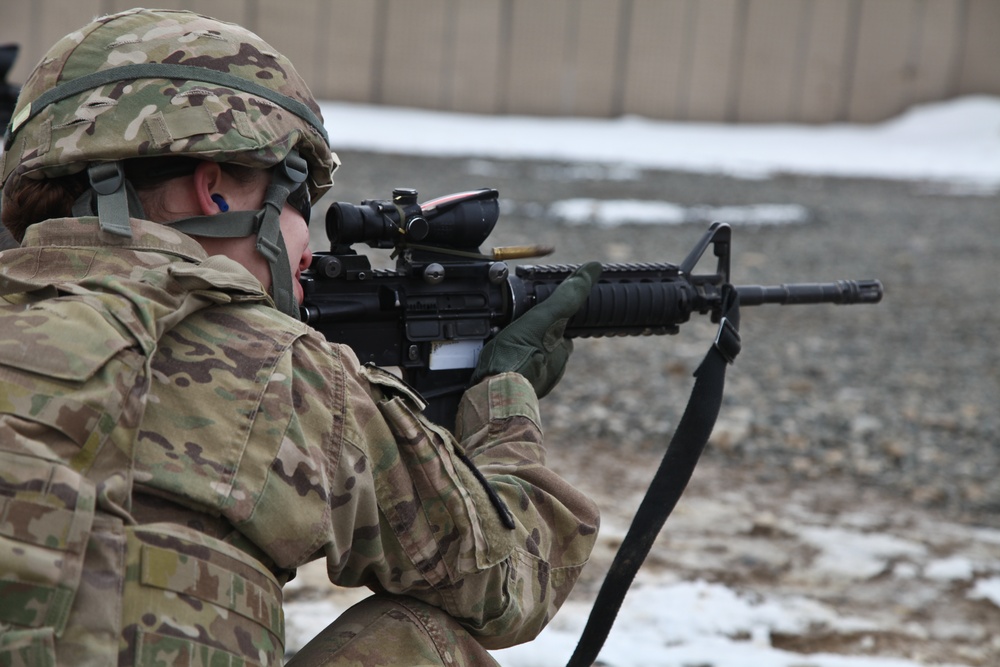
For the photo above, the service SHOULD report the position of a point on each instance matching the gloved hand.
(533, 344)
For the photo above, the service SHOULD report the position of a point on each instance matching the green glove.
(533, 344)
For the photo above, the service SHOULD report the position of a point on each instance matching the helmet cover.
(148, 83)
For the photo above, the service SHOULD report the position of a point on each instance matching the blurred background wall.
(811, 61)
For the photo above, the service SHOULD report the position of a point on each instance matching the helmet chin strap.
(115, 199)
(287, 176)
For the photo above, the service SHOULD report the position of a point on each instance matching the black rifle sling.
(668, 483)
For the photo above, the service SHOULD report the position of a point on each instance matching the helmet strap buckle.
(292, 171)
(107, 181)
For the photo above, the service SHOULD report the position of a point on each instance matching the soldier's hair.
(33, 200)
(36, 200)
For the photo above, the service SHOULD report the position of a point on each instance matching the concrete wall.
(812, 61)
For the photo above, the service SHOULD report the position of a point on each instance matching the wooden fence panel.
(828, 55)
(769, 74)
(883, 66)
(593, 57)
(537, 81)
(477, 42)
(350, 63)
(980, 61)
(712, 49)
(417, 63)
(656, 48)
(936, 43)
(812, 61)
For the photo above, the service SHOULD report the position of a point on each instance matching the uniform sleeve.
(555, 525)
(473, 523)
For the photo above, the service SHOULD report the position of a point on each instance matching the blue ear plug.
(220, 202)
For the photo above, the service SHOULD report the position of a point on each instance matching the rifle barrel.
(840, 292)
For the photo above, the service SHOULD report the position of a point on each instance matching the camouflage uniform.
(263, 447)
(172, 446)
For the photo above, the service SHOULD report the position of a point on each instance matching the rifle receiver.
(432, 314)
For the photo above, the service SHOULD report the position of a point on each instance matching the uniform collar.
(74, 249)
(86, 232)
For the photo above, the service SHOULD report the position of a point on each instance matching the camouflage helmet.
(154, 83)
(144, 83)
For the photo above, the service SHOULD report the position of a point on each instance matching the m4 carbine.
(431, 315)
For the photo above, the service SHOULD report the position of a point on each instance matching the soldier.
(174, 442)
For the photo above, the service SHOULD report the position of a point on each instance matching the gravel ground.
(901, 396)
(875, 426)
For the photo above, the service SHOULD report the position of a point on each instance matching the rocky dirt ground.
(857, 457)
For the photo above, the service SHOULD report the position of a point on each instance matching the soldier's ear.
(207, 181)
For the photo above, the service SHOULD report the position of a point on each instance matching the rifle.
(431, 315)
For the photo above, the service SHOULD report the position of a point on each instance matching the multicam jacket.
(172, 448)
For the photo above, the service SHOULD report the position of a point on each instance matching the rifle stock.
(431, 315)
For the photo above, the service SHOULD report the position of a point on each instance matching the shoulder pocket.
(393, 386)
(63, 339)
(47, 512)
(63, 365)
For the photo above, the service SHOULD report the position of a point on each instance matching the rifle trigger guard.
(727, 340)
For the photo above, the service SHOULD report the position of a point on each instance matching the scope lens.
(367, 223)
(343, 224)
